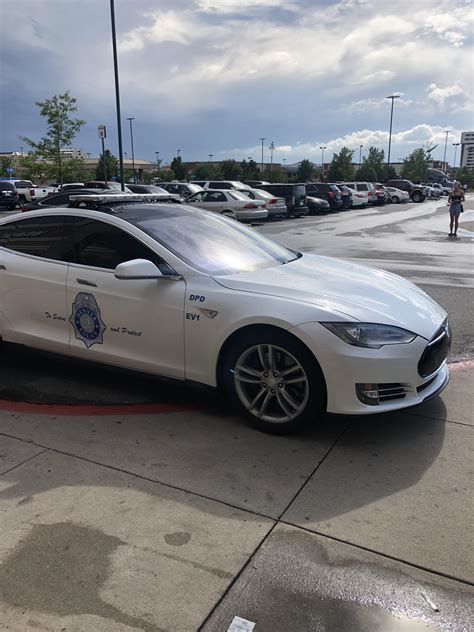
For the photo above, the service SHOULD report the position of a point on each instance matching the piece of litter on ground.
(241, 625)
(428, 600)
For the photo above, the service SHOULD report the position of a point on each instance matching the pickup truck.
(28, 192)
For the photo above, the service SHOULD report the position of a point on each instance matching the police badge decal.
(86, 320)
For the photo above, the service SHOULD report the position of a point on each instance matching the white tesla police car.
(180, 292)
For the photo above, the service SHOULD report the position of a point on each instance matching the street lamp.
(211, 156)
(322, 160)
(132, 118)
(272, 149)
(393, 97)
(360, 155)
(157, 153)
(262, 138)
(455, 145)
(447, 132)
(178, 152)
(117, 93)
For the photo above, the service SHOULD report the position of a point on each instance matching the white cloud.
(234, 6)
(167, 27)
(440, 95)
(365, 105)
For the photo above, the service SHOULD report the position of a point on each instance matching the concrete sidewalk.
(184, 520)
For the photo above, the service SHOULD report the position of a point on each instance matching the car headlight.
(370, 335)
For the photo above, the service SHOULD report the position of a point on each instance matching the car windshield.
(214, 245)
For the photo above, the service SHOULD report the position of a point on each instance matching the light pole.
(393, 97)
(117, 93)
(178, 152)
(360, 156)
(157, 153)
(272, 149)
(132, 118)
(262, 138)
(455, 145)
(447, 132)
(211, 156)
(322, 161)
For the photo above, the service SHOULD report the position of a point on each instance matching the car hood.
(345, 290)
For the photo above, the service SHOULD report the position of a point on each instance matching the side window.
(220, 185)
(197, 197)
(102, 245)
(215, 196)
(56, 200)
(172, 188)
(362, 187)
(40, 236)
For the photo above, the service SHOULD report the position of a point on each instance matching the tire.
(395, 199)
(262, 394)
(417, 196)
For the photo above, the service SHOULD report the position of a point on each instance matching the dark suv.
(8, 195)
(294, 194)
(328, 192)
(417, 193)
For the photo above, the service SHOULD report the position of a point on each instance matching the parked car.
(221, 184)
(288, 336)
(431, 191)
(397, 195)
(101, 184)
(415, 191)
(9, 197)
(184, 189)
(382, 193)
(359, 198)
(62, 198)
(317, 205)
(275, 206)
(255, 184)
(230, 203)
(26, 190)
(71, 185)
(328, 192)
(145, 188)
(293, 194)
(364, 186)
(346, 194)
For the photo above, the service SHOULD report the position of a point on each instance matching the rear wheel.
(274, 380)
(417, 196)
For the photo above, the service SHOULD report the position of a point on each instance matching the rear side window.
(220, 185)
(362, 187)
(39, 236)
(56, 200)
(23, 184)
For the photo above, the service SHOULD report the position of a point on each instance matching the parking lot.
(134, 503)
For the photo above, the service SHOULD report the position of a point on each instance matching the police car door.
(32, 282)
(137, 324)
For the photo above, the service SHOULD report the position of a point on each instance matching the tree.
(110, 162)
(6, 162)
(206, 171)
(275, 174)
(367, 172)
(305, 171)
(178, 168)
(375, 159)
(415, 166)
(35, 169)
(340, 167)
(62, 129)
(250, 170)
(231, 170)
(74, 170)
(465, 176)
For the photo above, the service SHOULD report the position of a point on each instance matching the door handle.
(86, 282)
(2, 266)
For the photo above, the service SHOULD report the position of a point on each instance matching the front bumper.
(393, 368)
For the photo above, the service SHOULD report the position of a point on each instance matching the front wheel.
(395, 199)
(275, 381)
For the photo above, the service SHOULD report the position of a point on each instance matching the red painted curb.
(80, 410)
(92, 410)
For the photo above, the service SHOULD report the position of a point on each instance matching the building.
(467, 150)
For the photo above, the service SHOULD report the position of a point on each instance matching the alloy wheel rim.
(271, 383)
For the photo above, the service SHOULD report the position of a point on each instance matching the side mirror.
(137, 269)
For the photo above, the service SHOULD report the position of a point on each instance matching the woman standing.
(455, 200)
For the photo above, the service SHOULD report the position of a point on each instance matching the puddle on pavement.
(60, 569)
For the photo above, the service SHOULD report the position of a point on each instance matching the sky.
(214, 76)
